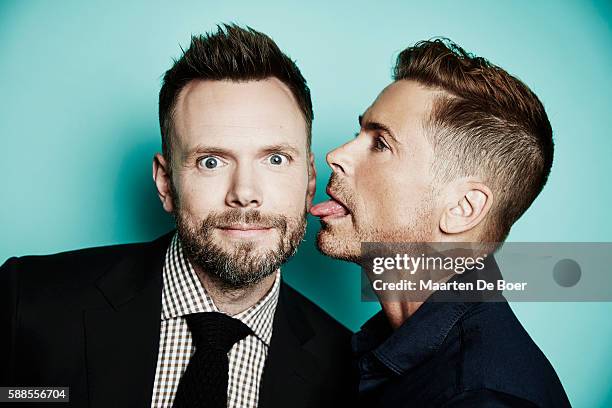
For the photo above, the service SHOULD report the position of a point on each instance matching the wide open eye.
(277, 159)
(210, 162)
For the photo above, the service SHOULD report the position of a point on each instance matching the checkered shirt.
(183, 294)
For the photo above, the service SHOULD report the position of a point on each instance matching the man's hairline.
(442, 95)
(169, 120)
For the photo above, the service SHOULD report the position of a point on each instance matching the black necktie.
(204, 383)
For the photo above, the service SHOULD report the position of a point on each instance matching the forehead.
(402, 106)
(229, 113)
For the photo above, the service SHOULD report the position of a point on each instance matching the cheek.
(387, 197)
(285, 193)
(199, 196)
(374, 194)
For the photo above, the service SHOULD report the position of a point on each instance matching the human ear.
(163, 182)
(468, 208)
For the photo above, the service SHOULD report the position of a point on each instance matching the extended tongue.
(330, 207)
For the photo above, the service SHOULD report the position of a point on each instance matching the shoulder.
(320, 320)
(77, 265)
(325, 339)
(498, 354)
(70, 269)
(320, 333)
(491, 335)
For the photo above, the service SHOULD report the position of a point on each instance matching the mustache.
(337, 186)
(235, 216)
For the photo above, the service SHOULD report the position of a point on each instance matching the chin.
(232, 241)
(254, 247)
(337, 246)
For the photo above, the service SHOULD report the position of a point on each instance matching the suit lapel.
(122, 340)
(287, 379)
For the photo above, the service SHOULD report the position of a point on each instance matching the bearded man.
(200, 316)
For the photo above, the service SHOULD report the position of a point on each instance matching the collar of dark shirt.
(378, 347)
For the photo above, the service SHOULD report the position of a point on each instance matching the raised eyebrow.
(282, 147)
(214, 150)
(202, 149)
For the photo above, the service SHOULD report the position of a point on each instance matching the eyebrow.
(281, 147)
(204, 149)
(379, 127)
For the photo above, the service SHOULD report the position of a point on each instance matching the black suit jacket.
(90, 320)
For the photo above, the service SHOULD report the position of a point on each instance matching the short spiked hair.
(231, 53)
(487, 123)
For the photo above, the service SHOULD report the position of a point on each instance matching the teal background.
(78, 120)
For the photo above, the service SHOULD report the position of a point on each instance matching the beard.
(343, 241)
(244, 263)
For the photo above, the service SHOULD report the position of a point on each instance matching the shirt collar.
(378, 346)
(410, 344)
(183, 294)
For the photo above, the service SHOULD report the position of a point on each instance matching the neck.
(398, 312)
(233, 301)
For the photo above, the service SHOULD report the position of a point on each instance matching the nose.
(340, 160)
(244, 191)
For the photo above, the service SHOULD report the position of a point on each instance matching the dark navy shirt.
(454, 354)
